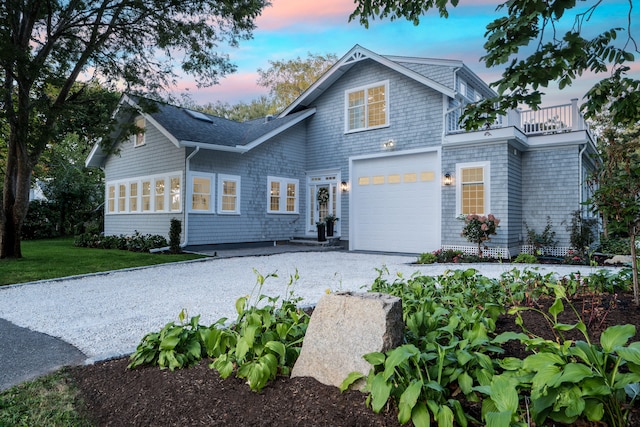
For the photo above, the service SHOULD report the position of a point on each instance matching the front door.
(324, 199)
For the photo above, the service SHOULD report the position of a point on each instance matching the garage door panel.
(401, 213)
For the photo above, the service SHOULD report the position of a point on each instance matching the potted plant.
(321, 230)
(330, 220)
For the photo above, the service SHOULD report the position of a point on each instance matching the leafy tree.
(617, 186)
(528, 40)
(241, 112)
(47, 47)
(287, 80)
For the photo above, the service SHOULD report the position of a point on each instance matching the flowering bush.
(478, 229)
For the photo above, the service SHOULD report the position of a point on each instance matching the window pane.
(139, 137)
(175, 194)
(472, 199)
(146, 196)
(473, 175)
(122, 197)
(291, 197)
(356, 110)
(201, 198)
(111, 198)
(159, 204)
(133, 197)
(377, 107)
(274, 203)
(229, 196)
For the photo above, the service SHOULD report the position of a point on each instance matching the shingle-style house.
(375, 141)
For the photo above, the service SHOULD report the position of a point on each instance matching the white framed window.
(283, 195)
(367, 107)
(228, 194)
(160, 193)
(472, 188)
(202, 194)
(462, 87)
(138, 138)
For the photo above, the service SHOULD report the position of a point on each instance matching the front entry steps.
(308, 241)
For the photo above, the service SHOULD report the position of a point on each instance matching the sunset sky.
(291, 28)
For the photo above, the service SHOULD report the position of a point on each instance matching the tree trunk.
(15, 198)
(634, 267)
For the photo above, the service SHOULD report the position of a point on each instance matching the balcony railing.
(548, 120)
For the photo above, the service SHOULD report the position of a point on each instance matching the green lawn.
(53, 258)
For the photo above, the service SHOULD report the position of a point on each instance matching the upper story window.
(228, 194)
(366, 107)
(283, 195)
(473, 188)
(138, 138)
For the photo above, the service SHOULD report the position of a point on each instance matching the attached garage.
(395, 202)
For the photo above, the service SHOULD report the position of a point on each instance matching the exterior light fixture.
(448, 179)
(389, 144)
(344, 186)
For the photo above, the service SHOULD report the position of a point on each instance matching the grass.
(54, 258)
(51, 400)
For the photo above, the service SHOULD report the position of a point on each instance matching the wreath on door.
(323, 195)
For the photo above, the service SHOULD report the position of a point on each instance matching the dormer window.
(367, 107)
(138, 138)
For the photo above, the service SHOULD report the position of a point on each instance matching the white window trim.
(487, 185)
(152, 178)
(283, 195)
(384, 83)
(134, 137)
(212, 195)
(221, 180)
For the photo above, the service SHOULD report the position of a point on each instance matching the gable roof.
(396, 63)
(189, 128)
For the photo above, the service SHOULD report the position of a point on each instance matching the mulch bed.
(116, 396)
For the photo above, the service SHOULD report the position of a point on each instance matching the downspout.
(186, 211)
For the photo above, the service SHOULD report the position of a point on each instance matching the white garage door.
(396, 203)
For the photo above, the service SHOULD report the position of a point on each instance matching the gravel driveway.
(106, 315)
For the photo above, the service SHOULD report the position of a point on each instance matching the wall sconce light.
(448, 179)
(344, 186)
(389, 144)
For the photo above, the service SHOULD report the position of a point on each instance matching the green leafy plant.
(523, 258)
(264, 341)
(543, 241)
(175, 346)
(567, 380)
(427, 258)
(479, 229)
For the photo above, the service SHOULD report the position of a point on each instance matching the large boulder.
(343, 327)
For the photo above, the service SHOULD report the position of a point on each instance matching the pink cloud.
(239, 87)
(284, 13)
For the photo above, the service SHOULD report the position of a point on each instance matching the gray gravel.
(106, 315)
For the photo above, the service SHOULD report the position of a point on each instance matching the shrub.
(136, 243)
(427, 258)
(479, 229)
(615, 245)
(525, 259)
(41, 221)
(174, 236)
(448, 255)
(546, 239)
(582, 231)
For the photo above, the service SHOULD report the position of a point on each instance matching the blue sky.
(291, 28)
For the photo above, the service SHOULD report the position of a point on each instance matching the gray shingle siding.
(551, 187)
(157, 156)
(282, 157)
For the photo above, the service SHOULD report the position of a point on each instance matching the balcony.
(545, 121)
